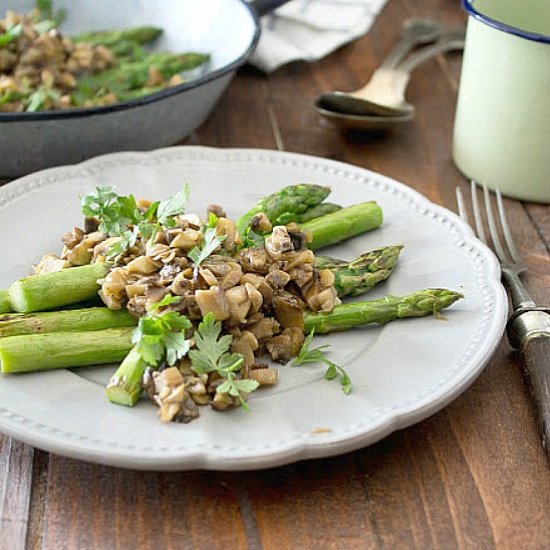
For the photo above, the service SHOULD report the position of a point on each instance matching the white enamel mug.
(502, 124)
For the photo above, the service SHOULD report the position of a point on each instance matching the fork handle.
(533, 330)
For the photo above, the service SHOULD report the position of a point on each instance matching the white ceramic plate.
(402, 372)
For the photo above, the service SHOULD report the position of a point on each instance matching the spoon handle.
(451, 42)
(398, 52)
(414, 32)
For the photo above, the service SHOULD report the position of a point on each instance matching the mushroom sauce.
(44, 61)
(258, 294)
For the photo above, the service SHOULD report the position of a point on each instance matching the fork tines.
(504, 247)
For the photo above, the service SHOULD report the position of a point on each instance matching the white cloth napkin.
(311, 29)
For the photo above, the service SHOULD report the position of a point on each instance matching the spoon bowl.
(384, 94)
(352, 110)
(381, 99)
(363, 122)
(370, 99)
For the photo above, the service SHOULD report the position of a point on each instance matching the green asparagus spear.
(70, 286)
(109, 38)
(133, 75)
(310, 214)
(418, 304)
(293, 199)
(350, 279)
(360, 275)
(60, 288)
(74, 320)
(72, 349)
(123, 42)
(343, 224)
(159, 338)
(56, 350)
(124, 387)
(5, 306)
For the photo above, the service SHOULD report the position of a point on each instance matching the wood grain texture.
(90, 506)
(16, 464)
(472, 476)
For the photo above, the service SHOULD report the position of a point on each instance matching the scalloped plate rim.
(282, 452)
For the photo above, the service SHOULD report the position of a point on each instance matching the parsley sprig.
(11, 34)
(160, 336)
(173, 206)
(38, 98)
(209, 243)
(114, 212)
(211, 354)
(317, 355)
(49, 20)
(47, 12)
(120, 216)
(252, 239)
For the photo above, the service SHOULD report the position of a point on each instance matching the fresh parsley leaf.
(45, 7)
(161, 336)
(38, 99)
(225, 387)
(334, 371)
(212, 220)
(310, 356)
(317, 355)
(127, 240)
(114, 212)
(150, 348)
(211, 354)
(151, 212)
(168, 300)
(246, 385)
(148, 230)
(172, 206)
(230, 362)
(128, 209)
(176, 346)
(11, 95)
(11, 34)
(44, 26)
(92, 203)
(209, 346)
(236, 388)
(172, 320)
(210, 242)
(46, 11)
(252, 239)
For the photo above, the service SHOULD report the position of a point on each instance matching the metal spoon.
(384, 94)
(414, 32)
(406, 111)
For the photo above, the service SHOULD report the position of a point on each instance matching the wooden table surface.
(471, 476)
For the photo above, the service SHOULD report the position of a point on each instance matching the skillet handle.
(263, 7)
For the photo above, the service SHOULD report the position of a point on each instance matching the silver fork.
(528, 328)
